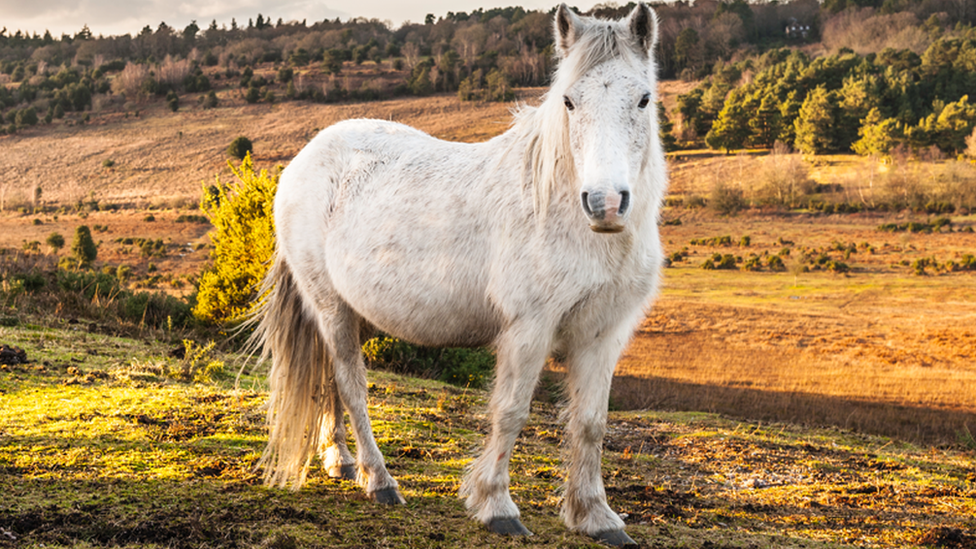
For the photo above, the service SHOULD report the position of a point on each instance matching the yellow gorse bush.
(243, 239)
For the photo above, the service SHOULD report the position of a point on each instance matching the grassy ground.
(101, 446)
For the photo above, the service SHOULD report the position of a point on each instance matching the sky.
(114, 17)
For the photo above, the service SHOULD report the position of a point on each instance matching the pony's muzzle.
(606, 211)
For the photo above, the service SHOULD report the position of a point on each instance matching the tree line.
(868, 104)
(479, 55)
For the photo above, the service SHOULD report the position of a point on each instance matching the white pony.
(542, 240)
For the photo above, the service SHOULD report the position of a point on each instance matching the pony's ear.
(568, 27)
(642, 23)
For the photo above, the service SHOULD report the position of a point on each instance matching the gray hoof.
(508, 527)
(388, 496)
(344, 472)
(615, 538)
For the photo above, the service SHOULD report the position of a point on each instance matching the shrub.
(243, 239)
(87, 284)
(108, 163)
(55, 242)
(198, 363)
(153, 309)
(726, 199)
(240, 148)
(719, 261)
(462, 367)
(253, 95)
(173, 101)
(31, 282)
(83, 248)
(775, 263)
(123, 273)
(185, 218)
(209, 101)
(27, 117)
(783, 179)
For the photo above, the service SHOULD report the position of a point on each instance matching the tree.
(877, 135)
(419, 83)
(731, 129)
(191, 30)
(173, 101)
(83, 248)
(687, 52)
(953, 125)
(815, 124)
(27, 117)
(665, 127)
(971, 144)
(209, 101)
(766, 121)
(240, 148)
(253, 95)
(332, 61)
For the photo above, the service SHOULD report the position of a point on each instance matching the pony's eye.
(568, 103)
(644, 101)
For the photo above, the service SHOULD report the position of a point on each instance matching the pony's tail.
(301, 369)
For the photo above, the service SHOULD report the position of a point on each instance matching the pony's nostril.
(586, 204)
(624, 202)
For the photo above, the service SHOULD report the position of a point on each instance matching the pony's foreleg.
(336, 459)
(521, 356)
(341, 330)
(589, 372)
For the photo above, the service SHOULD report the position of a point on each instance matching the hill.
(162, 158)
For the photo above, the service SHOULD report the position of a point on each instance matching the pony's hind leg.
(340, 327)
(521, 356)
(590, 368)
(336, 459)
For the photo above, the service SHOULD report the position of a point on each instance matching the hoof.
(508, 527)
(615, 538)
(344, 472)
(388, 496)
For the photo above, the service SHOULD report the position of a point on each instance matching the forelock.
(597, 41)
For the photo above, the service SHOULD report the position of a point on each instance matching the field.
(817, 407)
(103, 447)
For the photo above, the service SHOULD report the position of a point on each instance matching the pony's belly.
(417, 300)
(435, 330)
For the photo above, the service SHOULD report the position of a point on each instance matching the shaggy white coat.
(473, 244)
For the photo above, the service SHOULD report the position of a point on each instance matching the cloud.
(111, 17)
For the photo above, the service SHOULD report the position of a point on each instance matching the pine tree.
(877, 135)
(665, 127)
(731, 129)
(83, 248)
(815, 125)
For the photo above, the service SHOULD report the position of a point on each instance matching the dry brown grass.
(161, 155)
(879, 349)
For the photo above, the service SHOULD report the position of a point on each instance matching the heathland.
(806, 378)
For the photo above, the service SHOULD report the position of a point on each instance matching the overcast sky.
(112, 17)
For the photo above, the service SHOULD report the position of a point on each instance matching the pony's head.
(606, 89)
